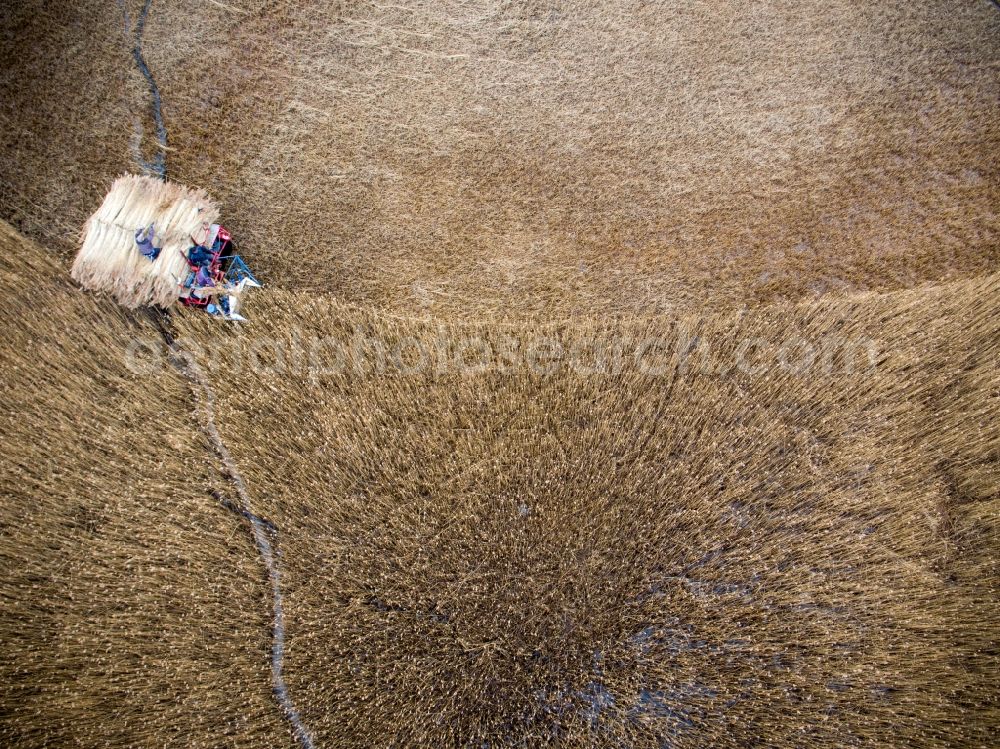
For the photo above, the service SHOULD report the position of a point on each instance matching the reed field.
(625, 375)
(504, 535)
(528, 551)
(133, 610)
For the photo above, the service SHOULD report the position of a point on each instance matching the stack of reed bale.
(109, 259)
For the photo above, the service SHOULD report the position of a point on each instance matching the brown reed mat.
(539, 157)
(134, 610)
(729, 548)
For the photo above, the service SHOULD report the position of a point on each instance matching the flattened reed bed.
(453, 158)
(693, 556)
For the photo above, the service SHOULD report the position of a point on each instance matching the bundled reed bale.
(109, 259)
